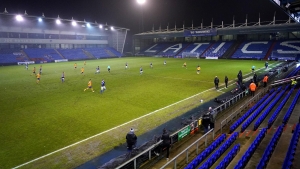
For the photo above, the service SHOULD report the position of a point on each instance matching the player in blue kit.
(103, 88)
(97, 70)
(141, 70)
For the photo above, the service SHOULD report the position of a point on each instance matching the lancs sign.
(205, 32)
(186, 131)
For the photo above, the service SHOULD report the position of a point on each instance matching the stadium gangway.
(186, 150)
(236, 113)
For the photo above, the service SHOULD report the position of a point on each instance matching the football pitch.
(37, 119)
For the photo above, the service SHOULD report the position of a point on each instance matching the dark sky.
(129, 14)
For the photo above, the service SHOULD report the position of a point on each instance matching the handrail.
(286, 79)
(229, 102)
(186, 149)
(135, 157)
(232, 114)
(142, 153)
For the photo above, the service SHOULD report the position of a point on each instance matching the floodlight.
(112, 28)
(58, 21)
(74, 23)
(100, 26)
(40, 19)
(19, 18)
(88, 25)
(141, 1)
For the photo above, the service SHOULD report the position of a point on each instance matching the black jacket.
(166, 138)
(216, 80)
(131, 138)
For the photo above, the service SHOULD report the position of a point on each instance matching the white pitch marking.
(111, 129)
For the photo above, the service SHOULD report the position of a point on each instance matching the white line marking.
(112, 128)
(109, 129)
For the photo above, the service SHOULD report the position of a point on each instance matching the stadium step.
(270, 50)
(296, 163)
(59, 54)
(88, 54)
(280, 151)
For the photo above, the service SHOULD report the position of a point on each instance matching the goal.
(190, 55)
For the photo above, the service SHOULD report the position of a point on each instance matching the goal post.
(190, 55)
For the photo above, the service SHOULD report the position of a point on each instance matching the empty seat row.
(285, 50)
(270, 148)
(228, 158)
(215, 156)
(288, 162)
(241, 119)
(114, 51)
(268, 110)
(202, 156)
(246, 157)
(217, 49)
(294, 72)
(258, 111)
(291, 108)
(275, 114)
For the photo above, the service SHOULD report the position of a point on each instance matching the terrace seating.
(244, 160)
(258, 111)
(98, 52)
(252, 50)
(114, 51)
(277, 111)
(268, 110)
(201, 157)
(286, 50)
(72, 54)
(196, 48)
(241, 119)
(294, 72)
(228, 158)
(217, 49)
(270, 148)
(154, 49)
(173, 49)
(290, 155)
(214, 157)
(11, 56)
(291, 108)
(37, 54)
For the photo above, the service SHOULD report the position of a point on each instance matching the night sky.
(129, 14)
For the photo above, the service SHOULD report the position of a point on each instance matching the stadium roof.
(8, 19)
(128, 13)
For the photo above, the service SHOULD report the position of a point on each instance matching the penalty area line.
(74, 144)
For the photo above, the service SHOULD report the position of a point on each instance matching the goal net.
(190, 55)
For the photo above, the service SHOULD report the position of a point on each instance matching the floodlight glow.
(74, 23)
(88, 25)
(40, 19)
(100, 26)
(112, 28)
(19, 18)
(141, 1)
(58, 21)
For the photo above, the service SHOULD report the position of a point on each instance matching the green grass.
(37, 119)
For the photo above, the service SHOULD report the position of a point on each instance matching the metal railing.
(235, 114)
(149, 150)
(186, 150)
